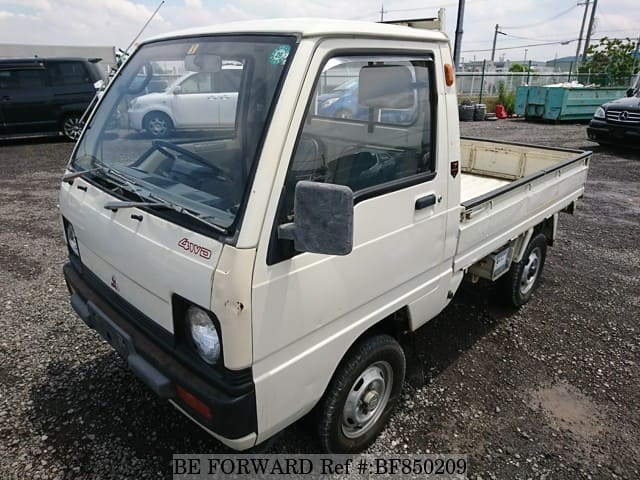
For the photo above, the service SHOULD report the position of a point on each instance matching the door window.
(69, 73)
(198, 83)
(23, 79)
(365, 147)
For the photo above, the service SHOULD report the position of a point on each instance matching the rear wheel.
(361, 395)
(72, 126)
(523, 277)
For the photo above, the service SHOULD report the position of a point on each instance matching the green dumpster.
(563, 103)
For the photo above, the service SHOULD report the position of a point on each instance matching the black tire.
(71, 126)
(364, 374)
(523, 277)
(158, 124)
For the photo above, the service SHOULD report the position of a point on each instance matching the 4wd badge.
(194, 248)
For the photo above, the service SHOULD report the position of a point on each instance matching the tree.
(609, 61)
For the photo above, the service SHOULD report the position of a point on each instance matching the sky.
(526, 23)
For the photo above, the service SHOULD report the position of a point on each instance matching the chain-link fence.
(479, 85)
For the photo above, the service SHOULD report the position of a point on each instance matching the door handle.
(424, 202)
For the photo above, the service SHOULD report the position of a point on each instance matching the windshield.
(183, 121)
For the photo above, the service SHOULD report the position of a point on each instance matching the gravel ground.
(547, 392)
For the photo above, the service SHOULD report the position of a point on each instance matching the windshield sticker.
(279, 55)
(193, 49)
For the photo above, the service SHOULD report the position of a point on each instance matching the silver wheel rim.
(530, 271)
(158, 125)
(72, 127)
(367, 399)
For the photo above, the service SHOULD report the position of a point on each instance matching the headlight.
(329, 102)
(600, 113)
(72, 240)
(204, 334)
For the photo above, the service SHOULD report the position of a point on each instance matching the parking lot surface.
(550, 391)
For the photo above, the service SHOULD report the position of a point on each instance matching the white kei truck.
(254, 273)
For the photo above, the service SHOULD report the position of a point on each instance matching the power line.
(541, 22)
(565, 42)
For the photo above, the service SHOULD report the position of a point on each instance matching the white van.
(196, 100)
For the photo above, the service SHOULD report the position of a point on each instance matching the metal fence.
(487, 84)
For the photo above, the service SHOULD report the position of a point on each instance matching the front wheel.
(72, 126)
(523, 277)
(158, 124)
(361, 395)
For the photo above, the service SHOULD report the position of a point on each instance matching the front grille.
(623, 117)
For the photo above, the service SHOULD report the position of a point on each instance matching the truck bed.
(508, 188)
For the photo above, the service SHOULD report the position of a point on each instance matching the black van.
(46, 95)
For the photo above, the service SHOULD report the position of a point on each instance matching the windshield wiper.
(67, 177)
(157, 202)
(117, 205)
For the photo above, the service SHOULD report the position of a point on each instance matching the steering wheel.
(160, 145)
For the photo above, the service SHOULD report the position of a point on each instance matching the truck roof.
(311, 27)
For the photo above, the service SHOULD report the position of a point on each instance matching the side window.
(69, 73)
(8, 79)
(374, 139)
(198, 83)
(33, 78)
(227, 80)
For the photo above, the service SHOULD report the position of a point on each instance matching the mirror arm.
(287, 231)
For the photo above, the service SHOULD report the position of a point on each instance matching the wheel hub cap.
(367, 399)
(530, 271)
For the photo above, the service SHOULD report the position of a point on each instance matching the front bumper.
(135, 119)
(233, 416)
(622, 135)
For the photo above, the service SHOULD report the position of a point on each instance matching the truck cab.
(253, 273)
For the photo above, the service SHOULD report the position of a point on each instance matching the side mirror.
(323, 219)
(631, 92)
(177, 90)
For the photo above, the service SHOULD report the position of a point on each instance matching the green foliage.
(610, 61)
(506, 99)
(518, 67)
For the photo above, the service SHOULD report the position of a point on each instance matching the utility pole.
(382, 13)
(495, 38)
(576, 61)
(635, 59)
(590, 30)
(457, 48)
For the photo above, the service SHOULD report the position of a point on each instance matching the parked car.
(342, 102)
(193, 101)
(618, 122)
(46, 95)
